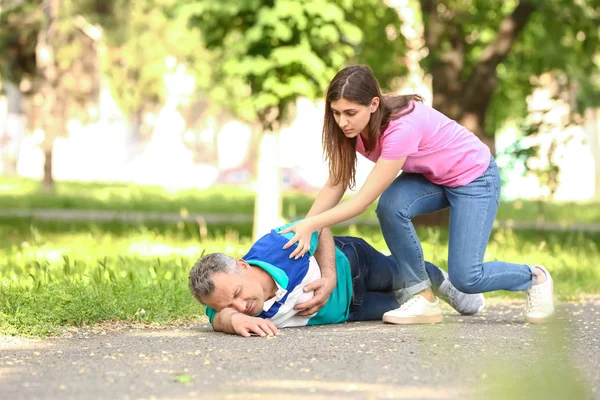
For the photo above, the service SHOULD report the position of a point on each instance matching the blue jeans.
(473, 209)
(376, 280)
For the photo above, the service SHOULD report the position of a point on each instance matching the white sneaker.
(417, 310)
(465, 304)
(540, 300)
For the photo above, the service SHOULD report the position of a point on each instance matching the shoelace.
(409, 303)
(451, 297)
(533, 295)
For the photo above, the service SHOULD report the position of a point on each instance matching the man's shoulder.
(270, 245)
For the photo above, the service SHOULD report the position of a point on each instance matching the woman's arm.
(329, 196)
(382, 175)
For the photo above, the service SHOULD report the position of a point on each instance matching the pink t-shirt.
(434, 145)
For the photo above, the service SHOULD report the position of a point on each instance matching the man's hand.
(245, 325)
(322, 288)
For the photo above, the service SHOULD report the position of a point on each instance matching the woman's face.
(352, 117)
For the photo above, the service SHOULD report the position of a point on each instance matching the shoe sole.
(543, 320)
(422, 319)
(480, 309)
(539, 320)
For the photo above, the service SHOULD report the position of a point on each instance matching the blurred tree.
(383, 46)
(138, 39)
(52, 110)
(67, 74)
(483, 54)
(569, 54)
(55, 60)
(19, 26)
(484, 57)
(270, 52)
(146, 40)
(592, 129)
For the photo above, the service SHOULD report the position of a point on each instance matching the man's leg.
(436, 275)
(375, 278)
(382, 297)
(373, 306)
(370, 268)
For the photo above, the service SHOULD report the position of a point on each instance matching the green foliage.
(138, 37)
(571, 46)
(382, 47)
(19, 27)
(269, 52)
(141, 36)
(561, 35)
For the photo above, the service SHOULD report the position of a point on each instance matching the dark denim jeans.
(376, 279)
(473, 209)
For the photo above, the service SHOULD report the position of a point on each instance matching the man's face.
(242, 292)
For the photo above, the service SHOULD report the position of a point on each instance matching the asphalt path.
(491, 355)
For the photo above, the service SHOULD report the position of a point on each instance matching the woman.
(444, 165)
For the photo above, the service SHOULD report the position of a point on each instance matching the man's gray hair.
(201, 283)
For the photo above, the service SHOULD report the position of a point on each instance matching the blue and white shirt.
(291, 276)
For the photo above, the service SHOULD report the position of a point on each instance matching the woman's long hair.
(357, 84)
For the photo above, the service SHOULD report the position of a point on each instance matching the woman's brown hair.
(357, 84)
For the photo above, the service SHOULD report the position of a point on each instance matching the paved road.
(141, 216)
(492, 355)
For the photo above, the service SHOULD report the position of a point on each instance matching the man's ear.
(242, 264)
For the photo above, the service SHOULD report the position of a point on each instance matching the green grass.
(55, 275)
(24, 193)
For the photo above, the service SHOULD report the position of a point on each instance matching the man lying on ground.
(341, 279)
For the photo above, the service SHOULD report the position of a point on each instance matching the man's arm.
(325, 256)
(233, 322)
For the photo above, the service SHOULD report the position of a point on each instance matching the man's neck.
(266, 281)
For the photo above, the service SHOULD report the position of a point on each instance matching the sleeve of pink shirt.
(399, 140)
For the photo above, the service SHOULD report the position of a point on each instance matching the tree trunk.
(593, 133)
(51, 102)
(458, 109)
(48, 182)
(253, 153)
(220, 121)
(14, 130)
(134, 139)
(467, 100)
(267, 208)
